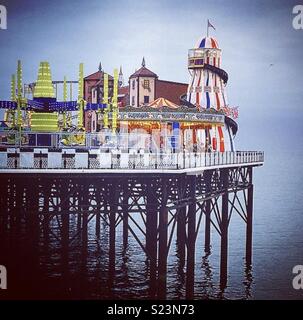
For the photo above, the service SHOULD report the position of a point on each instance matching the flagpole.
(207, 27)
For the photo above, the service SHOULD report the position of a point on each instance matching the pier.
(153, 197)
(124, 158)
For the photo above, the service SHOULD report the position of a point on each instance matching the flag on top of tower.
(209, 25)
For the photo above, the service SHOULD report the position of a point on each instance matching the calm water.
(278, 246)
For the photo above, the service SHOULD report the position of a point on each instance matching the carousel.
(166, 125)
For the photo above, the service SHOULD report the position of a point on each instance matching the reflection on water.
(44, 265)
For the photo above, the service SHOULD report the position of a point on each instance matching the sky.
(261, 51)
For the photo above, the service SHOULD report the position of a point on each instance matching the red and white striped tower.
(207, 90)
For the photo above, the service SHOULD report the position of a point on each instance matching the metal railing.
(126, 160)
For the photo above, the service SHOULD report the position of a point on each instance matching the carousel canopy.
(161, 102)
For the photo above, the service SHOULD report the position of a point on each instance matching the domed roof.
(207, 42)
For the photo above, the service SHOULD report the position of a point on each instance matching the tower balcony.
(197, 57)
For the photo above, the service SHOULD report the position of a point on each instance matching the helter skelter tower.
(207, 90)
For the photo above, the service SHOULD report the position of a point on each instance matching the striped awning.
(162, 102)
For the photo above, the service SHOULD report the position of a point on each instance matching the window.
(146, 84)
(133, 101)
(146, 99)
(134, 84)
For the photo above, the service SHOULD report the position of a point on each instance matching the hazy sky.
(252, 34)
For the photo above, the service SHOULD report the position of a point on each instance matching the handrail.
(60, 159)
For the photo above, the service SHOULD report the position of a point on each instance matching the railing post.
(64, 160)
(40, 160)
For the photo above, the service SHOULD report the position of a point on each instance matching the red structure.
(93, 81)
(170, 90)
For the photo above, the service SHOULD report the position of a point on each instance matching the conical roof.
(143, 71)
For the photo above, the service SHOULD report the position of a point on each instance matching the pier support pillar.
(98, 214)
(34, 211)
(18, 205)
(207, 226)
(191, 241)
(125, 215)
(162, 254)
(163, 249)
(114, 198)
(151, 237)
(85, 213)
(207, 178)
(181, 234)
(33, 226)
(224, 230)
(80, 196)
(249, 221)
(12, 213)
(46, 217)
(65, 225)
(98, 224)
(4, 204)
